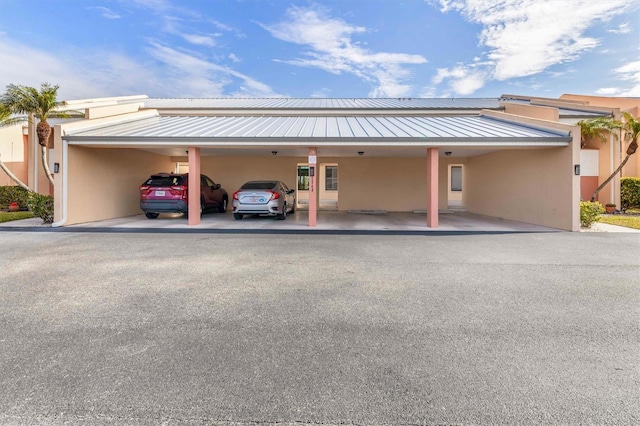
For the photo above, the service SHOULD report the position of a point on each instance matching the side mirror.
(216, 186)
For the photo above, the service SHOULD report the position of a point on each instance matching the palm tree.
(629, 127)
(41, 104)
(6, 119)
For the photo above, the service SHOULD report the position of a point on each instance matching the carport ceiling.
(333, 135)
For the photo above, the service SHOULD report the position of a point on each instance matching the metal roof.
(324, 103)
(564, 112)
(295, 130)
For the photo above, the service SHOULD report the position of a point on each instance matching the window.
(259, 185)
(331, 178)
(456, 178)
(303, 178)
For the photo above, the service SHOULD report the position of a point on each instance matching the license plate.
(159, 193)
(255, 199)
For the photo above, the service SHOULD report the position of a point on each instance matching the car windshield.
(164, 180)
(259, 185)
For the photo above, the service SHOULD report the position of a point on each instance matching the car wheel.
(283, 215)
(293, 208)
(223, 206)
(150, 215)
(237, 216)
(201, 206)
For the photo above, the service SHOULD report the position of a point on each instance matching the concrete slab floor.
(327, 221)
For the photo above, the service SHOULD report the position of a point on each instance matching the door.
(455, 194)
(328, 186)
(302, 187)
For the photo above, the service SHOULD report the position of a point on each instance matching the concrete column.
(432, 187)
(313, 186)
(194, 185)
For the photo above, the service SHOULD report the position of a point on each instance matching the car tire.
(223, 206)
(283, 215)
(150, 215)
(293, 208)
(237, 216)
(201, 206)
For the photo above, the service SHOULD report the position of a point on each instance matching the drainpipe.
(612, 193)
(63, 220)
(33, 145)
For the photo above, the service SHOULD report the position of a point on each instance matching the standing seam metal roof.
(324, 127)
(324, 103)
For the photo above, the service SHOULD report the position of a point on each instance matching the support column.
(313, 186)
(432, 187)
(194, 185)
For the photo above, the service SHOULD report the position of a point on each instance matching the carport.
(515, 168)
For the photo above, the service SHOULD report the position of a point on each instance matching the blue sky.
(329, 48)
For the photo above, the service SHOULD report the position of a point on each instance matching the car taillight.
(235, 195)
(274, 195)
(178, 190)
(144, 188)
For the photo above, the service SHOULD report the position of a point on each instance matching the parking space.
(327, 221)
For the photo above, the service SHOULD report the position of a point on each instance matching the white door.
(455, 194)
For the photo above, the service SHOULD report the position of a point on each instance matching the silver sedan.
(264, 197)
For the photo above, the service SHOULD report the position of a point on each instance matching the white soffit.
(376, 130)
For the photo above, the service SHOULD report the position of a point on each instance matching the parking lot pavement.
(137, 328)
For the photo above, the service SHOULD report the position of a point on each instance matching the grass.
(628, 221)
(9, 216)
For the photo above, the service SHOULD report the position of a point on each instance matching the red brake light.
(179, 189)
(235, 195)
(274, 195)
(144, 188)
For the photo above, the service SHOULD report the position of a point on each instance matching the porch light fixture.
(360, 153)
(274, 152)
(448, 153)
(56, 167)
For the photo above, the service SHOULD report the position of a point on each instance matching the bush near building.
(13, 194)
(589, 212)
(629, 193)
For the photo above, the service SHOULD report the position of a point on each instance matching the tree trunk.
(631, 149)
(603, 184)
(13, 177)
(45, 163)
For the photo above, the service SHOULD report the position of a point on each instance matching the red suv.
(168, 193)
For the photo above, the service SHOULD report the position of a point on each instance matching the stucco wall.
(13, 153)
(529, 185)
(392, 184)
(534, 111)
(103, 183)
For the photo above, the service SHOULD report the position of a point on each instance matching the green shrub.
(629, 192)
(589, 212)
(41, 206)
(13, 194)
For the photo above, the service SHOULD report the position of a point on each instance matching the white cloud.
(97, 74)
(195, 76)
(608, 91)
(234, 58)
(624, 28)
(465, 80)
(199, 40)
(631, 73)
(525, 37)
(332, 49)
(106, 12)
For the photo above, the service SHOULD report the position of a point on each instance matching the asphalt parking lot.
(154, 328)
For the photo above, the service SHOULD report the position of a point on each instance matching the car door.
(288, 195)
(213, 192)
